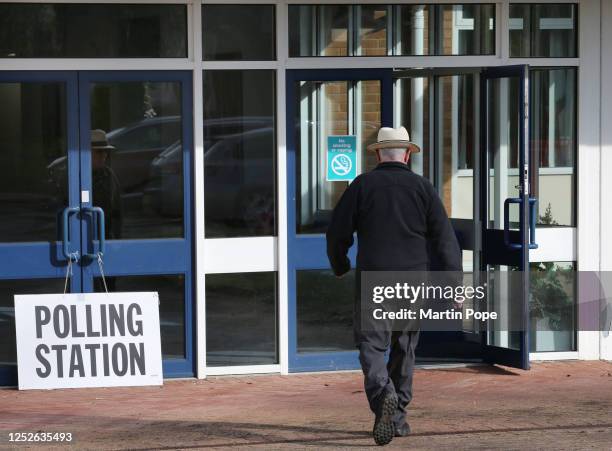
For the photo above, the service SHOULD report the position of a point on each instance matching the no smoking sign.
(341, 158)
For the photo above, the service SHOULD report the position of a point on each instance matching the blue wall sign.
(341, 158)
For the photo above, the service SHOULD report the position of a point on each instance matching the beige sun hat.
(99, 141)
(389, 137)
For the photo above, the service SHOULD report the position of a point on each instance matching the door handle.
(97, 214)
(74, 256)
(532, 222)
(533, 211)
(507, 202)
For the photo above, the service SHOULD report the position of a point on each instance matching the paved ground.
(553, 406)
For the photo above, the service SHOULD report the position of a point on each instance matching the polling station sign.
(341, 158)
(88, 340)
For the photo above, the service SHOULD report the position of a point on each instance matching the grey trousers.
(394, 375)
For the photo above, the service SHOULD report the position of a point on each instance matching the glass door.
(136, 141)
(96, 171)
(440, 108)
(323, 103)
(39, 194)
(507, 206)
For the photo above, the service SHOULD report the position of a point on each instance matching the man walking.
(401, 225)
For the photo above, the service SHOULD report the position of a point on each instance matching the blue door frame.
(308, 251)
(121, 257)
(505, 247)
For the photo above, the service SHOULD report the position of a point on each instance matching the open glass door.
(440, 108)
(506, 211)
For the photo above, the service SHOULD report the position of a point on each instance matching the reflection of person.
(105, 185)
(401, 225)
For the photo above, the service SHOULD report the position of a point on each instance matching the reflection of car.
(140, 143)
(137, 145)
(239, 180)
(166, 181)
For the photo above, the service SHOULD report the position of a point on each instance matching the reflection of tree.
(551, 294)
(547, 218)
(149, 108)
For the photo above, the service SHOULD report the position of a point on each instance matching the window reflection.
(139, 181)
(241, 319)
(553, 138)
(33, 148)
(372, 37)
(466, 29)
(238, 32)
(239, 150)
(375, 30)
(411, 30)
(543, 30)
(552, 306)
(92, 31)
(324, 325)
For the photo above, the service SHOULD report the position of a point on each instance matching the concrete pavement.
(561, 405)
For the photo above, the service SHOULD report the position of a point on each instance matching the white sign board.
(88, 340)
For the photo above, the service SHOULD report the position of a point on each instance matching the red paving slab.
(561, 405)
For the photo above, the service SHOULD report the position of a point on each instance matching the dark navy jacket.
(400, 222)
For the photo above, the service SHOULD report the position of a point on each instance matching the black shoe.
(384, 429)
(403, 430)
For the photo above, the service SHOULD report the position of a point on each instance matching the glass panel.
(320, 30)
(372, 34)
(543, 30)
(240, 149)
(456, 143)
(92, 31)
(139, 182)
(505, 297)
(324, 325)
(8, 289)
(171, 290)
(332, 34)
(465, 29)
(241, 319)
(502, 147)
(323, 109)
(363, 30)
(238, 32)
(367, 120)
(413, 109)
(552, 307)
(33, 149)
(411, 34)
(553, 138)
(302, 30)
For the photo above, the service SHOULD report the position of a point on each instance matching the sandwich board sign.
(88, 340)
(341, 158)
